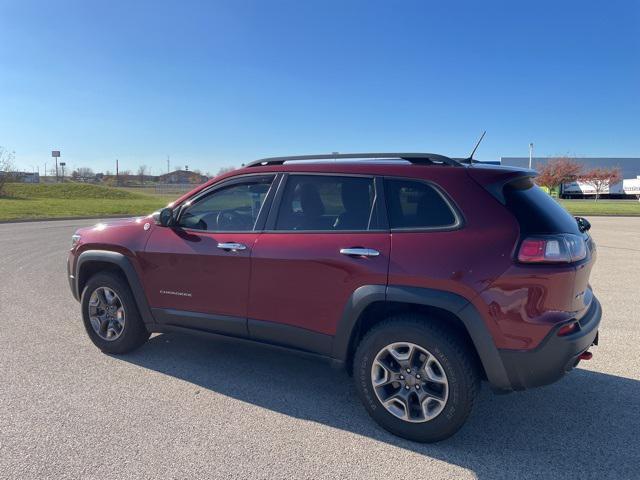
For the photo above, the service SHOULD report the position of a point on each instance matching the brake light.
(563, 248)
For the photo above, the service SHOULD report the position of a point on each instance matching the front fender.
(124, 264)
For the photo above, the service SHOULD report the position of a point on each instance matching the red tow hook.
(586, 356)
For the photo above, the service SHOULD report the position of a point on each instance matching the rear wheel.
(415, 379)
(110, 314)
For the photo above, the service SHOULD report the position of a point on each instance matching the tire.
(132, 334)
(447, 401)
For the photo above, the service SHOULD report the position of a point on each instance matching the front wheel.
(415, 379)
(110, 314)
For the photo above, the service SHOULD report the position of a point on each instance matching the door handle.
(234, 247)
(360, 252)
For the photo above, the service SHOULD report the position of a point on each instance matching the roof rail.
(416, 158)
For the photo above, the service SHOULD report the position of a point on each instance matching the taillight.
(563, 248)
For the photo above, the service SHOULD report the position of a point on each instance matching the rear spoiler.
(494, 179)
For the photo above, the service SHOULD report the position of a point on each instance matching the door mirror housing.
(583, 224)
(164, 217)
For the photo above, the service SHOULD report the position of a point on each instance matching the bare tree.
(142, 170)
(557, 171)
(225, 170)
(6, 167)
(601, 179)
(83, 173)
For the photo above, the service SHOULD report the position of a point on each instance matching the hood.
(118, 222)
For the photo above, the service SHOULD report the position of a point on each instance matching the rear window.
(535, 210)
(413, 204)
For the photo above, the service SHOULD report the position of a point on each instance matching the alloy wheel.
(106, 313)
(409, 382)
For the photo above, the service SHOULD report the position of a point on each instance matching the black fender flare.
(127, 268)
(451, 302)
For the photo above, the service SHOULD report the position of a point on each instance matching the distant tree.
(83, 173)
(601, 179)
(225, 170)
(142, 170)
(6, 167)
(557, 171)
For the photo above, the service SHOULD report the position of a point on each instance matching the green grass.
(602, 207)
(150, 192)
(68, 191)
(24, 201)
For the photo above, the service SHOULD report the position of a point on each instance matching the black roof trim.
(417, 158)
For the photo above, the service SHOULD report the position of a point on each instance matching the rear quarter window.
(535, 210)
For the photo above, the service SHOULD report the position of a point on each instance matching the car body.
(444, 241)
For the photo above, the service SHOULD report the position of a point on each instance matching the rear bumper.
(554, 356)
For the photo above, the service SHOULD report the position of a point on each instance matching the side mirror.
(583, 224)
(164, 217)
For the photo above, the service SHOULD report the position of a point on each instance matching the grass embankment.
(24, 201)
(602, 207)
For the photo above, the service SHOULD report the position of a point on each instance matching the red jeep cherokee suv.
(420, 274)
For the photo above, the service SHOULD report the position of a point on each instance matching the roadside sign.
(55, 153)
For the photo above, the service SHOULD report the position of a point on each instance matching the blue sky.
(218, 83)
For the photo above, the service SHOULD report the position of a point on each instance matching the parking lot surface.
(184, 407)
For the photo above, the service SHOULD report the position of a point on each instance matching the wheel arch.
(91, 262)
(370, 304)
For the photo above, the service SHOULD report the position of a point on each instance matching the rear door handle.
(360, 252)
(232, 246)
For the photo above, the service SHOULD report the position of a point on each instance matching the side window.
(234, 208)
(331, 203)
(414, 204)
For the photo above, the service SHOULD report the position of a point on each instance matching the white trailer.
(628, 186)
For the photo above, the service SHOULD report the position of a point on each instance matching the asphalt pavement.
(185, 407)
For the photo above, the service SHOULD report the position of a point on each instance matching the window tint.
(316, 202)
(535, 210)
(234, 208)
(413, 204)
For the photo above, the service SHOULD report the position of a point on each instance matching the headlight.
(75, 239)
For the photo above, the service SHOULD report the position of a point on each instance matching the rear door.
(326, 238)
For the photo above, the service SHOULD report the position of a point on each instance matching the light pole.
(530, 154)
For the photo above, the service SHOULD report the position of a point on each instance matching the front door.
(325, 241)
(196, 274)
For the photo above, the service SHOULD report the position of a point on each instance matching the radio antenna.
(470, 158)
